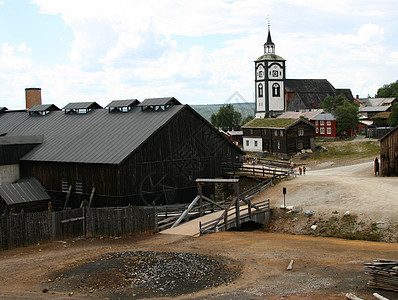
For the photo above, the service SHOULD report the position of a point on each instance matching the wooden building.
(28, 195)
(283, 137)
(389, 153)
(127, 153)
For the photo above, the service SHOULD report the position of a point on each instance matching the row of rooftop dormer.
(34, 106)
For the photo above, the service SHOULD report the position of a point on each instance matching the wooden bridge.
(234, 212)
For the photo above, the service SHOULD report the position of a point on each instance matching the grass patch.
(347, 150)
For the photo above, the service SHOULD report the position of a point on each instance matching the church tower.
(269, 80)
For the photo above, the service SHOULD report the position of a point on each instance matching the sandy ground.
(351, 188)
(324, 268)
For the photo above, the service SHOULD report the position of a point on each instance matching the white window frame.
(322, 123)
(276, 132)
(281, 132)
(255, 143)
(316, 130)
(322, 131)
(329, 123)
(278, 145)
(247, 143)
(300, 132)
(328, 130)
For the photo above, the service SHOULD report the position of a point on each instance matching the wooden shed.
(278, 136)
(389, 153)
(126, 153)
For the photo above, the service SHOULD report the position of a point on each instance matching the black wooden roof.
(82, 105)
(43, 107)
(309, 93)
(123, 103)
(24, 191)
(159, 101)
(97, 137)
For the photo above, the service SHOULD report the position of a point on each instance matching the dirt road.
(351, 188)
(323, 268)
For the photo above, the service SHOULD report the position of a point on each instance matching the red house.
(326, 126)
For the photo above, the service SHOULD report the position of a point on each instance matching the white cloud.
(129, 49)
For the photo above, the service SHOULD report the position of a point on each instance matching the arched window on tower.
(260, 90)
(276, 90)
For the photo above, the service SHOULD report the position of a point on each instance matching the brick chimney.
(33, 97)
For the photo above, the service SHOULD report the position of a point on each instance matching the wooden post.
(249, 207)
(237, 207)
(50, 217)
(200, 198)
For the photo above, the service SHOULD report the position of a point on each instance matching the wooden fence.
(24, 229)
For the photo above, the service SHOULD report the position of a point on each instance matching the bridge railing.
(254, 170)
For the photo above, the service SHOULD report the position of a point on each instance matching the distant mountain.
(207, 110)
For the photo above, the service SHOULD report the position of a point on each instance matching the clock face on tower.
(274, 73)
(260, 72)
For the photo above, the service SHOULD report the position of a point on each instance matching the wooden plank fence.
(24, 229)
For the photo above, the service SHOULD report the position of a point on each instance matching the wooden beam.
(213, 202)
(67, 196)
(290, 266)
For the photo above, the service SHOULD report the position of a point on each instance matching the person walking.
(377, 166)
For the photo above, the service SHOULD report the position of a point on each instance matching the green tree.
(247, 120)
(329, 104)
(393, 118)
(388, 90)
(227, 118)
(347, 117)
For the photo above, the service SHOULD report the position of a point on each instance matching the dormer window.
(123, 106)
(158, 104)
(81, 107)
(42, 109)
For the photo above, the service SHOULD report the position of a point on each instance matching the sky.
(200, 52)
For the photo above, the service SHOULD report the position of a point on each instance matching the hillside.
(208, 109)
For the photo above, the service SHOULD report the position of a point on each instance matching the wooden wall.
(389, 154)
(168, 163)
(186, 148)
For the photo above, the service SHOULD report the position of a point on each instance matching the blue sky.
(200, 52)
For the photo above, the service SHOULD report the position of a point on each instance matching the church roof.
(309, 93)
(269, 56)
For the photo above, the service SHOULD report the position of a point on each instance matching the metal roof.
(9, 120)
(20, 140)
(324, 117)
(373, 108)
(159, 101)
(83, 105)
(43, 107)
(270, 57)
(25, 191)
(296, 114)
(2, 108)
(123, 103)
(97, 137)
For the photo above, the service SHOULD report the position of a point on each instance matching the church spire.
(269, 46)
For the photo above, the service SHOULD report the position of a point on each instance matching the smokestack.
(33, 97)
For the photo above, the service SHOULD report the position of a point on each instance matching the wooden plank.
(352, 297)
(290, 266)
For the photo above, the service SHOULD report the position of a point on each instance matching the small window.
(64, 185)
(281, 132)
(251, 131)
(328, 123)
(79, 187)
(317, 130)
(276, 132)
(247, 143)
(322, 130)
(322, 123)
(265, 131)
(316, 123)
(278, 145)
(255, 143)
(301, 132)
(329, 130)
(260, 90)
